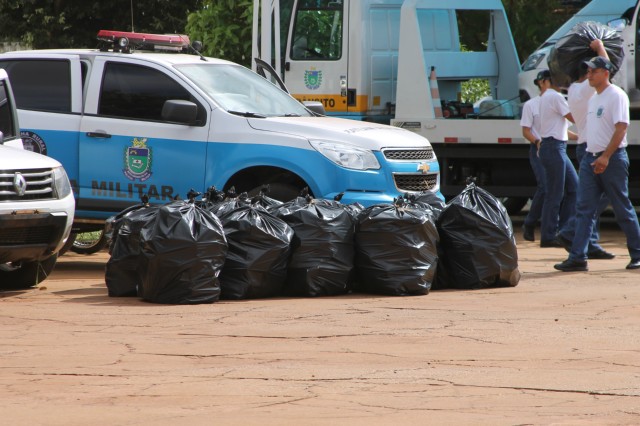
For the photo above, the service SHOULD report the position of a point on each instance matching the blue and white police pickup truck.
(141, 115)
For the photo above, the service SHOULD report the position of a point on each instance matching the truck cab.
(352, 73)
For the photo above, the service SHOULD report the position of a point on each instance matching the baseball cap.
(542, 75)
(598, 62)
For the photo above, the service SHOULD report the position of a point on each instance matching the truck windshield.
(317, 32)
(239, 90)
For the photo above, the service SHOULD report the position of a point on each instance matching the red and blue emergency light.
(122, 41)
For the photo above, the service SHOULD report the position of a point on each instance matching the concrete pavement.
(560, 348)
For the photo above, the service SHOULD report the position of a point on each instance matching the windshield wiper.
(247, 114)
(291, 114)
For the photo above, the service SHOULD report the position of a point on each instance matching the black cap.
(542, 75)
(598, 62)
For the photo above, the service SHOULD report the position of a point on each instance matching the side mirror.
(618, 24)
(315, 107)
(180, 111)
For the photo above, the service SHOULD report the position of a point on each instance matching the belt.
(597, 154)
(551, 138)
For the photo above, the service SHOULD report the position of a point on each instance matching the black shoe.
(550, 243)
(528, 232)
(634, 264)
(600, 254)
(566, 244)
(574, 266)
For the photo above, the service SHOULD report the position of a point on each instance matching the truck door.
(316, 58)
(48, 108)
(126, 148)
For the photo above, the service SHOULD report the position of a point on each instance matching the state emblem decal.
(312, 79)
(137, 160)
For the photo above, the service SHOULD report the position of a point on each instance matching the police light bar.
(122, 40)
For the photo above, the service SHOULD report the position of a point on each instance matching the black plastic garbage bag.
(571, 50)
(263, 199)
(354, 208)
(322, 249)
(211, 196)
(259, 248)
(231, 202)
(122, 275)
(478, 247)
(428, 200)
(396, 250)
(184, 251)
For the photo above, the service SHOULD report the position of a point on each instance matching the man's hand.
(600, 165)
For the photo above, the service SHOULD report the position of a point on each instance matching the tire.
(514, 204)
(30, 274)
(89, 246)
(280, 191)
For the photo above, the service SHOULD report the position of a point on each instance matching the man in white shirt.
(530, 122)
(561, 179)
(604, 168)
(578, 97)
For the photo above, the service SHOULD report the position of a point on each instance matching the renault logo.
(19, 184)
(424, 168)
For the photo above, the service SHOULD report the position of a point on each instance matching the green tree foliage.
(532, 22)
(224, 27)
(46, 24)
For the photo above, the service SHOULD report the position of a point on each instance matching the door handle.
(99, 134)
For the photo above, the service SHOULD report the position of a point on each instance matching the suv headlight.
(348, 156)
(61, 182)
(533, 61)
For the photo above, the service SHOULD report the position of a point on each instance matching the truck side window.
(139, 92)
(317, 32)
(41, 85)
(6, 115)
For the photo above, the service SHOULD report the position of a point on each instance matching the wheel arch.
(255, 176)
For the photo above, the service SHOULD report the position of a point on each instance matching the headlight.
(61, 181)
(533, 61)
(347, 156)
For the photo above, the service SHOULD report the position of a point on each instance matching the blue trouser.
(561, 184)
(614, 182)
(535, 210)
(568, 231)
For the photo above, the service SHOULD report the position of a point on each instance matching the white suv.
(36, 204)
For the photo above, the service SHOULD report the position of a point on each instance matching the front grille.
(26, 236)
(415, 182)
(408, 154)
(38, 185)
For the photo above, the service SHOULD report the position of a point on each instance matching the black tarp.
(477, 244)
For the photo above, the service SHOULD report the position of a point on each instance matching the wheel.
(514, 204)
(89, 242)
(27, 275)
(280, 191)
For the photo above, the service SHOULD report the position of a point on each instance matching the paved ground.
(560, 349)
